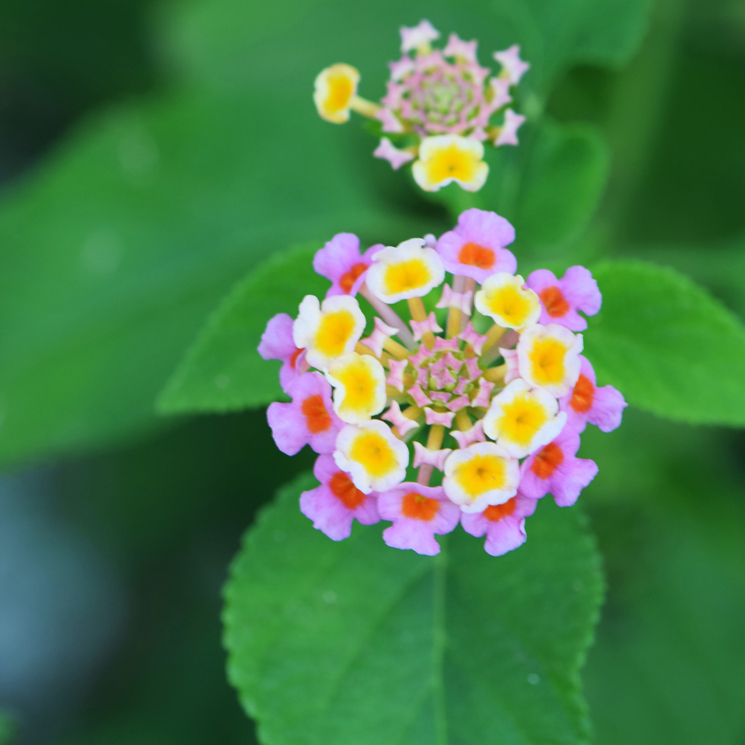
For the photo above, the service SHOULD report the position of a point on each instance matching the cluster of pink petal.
(442, 380)
(439, 96)
(447, 92)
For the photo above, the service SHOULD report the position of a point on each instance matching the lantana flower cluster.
(438, 109)
(439, 387)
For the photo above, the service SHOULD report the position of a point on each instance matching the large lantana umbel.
(440, 108)
(456, 392)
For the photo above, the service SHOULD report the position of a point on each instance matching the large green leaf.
(356, 642)
(223, 370)
(668, 345)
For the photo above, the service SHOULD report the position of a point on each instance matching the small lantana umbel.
(440, 109)
(454, 391)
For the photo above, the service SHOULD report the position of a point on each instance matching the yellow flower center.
(334, 331)
(510, 303)
(359, 384)
(522, 418)
(452, 162)
(547, 361)
(481, 474)
(373, 452)
(340, 92)
(406, 275)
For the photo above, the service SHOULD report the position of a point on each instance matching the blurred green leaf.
(670, 518)
(669, 670)
(611, 32)
(668, 345)
(561, 183)
(690, 185)
(223, 370)
(356, 642)
(7, 728)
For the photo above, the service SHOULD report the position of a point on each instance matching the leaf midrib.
(371, 631)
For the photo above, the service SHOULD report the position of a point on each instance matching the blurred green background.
(128, 142)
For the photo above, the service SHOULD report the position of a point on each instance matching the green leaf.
(560, 179)
(720, 267)
(223, 370)
(668, 510)
(673, 653)
(7, 728)
(611, 32)
(667, 345)
(356, 642)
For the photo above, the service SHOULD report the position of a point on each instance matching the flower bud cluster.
(438, 108)
(451, 364)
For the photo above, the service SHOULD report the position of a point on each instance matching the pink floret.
(416, 522)
(512, 64)
(504, 534)
(277, 344)
(488, 234)
(562, 298)
(310, 418)
(555, 469)
(342, 263)
(337, 503)
(388, 151)
(512, 364)
(392, 124)
(508, 133)
(602, 406)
